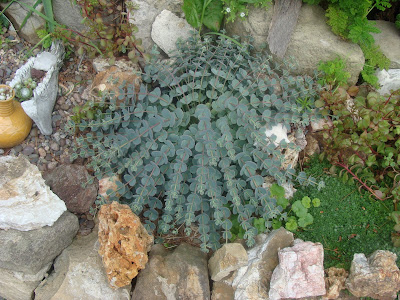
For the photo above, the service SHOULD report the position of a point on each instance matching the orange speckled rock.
(124, 243)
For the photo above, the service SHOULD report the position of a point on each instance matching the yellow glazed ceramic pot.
(15, 124)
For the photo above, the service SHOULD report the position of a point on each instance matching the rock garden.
(199, 149)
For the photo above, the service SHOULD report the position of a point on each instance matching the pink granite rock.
(300, 272)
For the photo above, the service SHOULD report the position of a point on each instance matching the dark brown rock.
(66, 182)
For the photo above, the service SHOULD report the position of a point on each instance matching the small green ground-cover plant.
(333, 73)
(295, 215)
(347, 221)
(348, 19)
(192, 141)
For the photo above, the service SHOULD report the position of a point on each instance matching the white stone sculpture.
(40, 107)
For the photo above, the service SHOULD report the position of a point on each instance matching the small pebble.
(48, 157)
(62, 142)
(54, 146)
(47, 148)
(42, 152)
(52, 165)
(78, 78)
(42, 167)
(90, 224)
(61, 100)
(28, 150)
(18, 148)
(64, 106)
(33, 159)
(1, 151)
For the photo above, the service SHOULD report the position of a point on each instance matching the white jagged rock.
(26, 202)
(388, 80)
(167, 29)
(279, 131)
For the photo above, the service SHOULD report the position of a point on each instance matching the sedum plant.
(190, 143)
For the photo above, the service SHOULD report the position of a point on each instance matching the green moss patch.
(347, 222)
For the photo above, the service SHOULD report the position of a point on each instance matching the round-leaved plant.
(190, 144)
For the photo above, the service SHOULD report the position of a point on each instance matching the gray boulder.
(68, 13)
(79, 274)
(30, 251)
(389, 41)
(181, 274)
(19, 285)
(313, 41)
(256, 25)
(145, 14)
(26, 256)
(16, 13)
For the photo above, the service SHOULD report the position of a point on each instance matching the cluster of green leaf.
(365, 140)
(333, 73)
(296, 214)
(87, 111)
(347, 221)
(204, 12)
(192, 141)
(397, 21)
(210, 13)
(348, 19)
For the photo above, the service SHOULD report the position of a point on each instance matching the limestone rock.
(167, 29)
(19, 285)
(26, 202)
(376, 277)
(300, 272)
(388, 80)
(66, 181)
(389, 41)
(30, 251)
(101, 64)
(102, 85)
(256, 25)
(279, 131)
(79, 274)
(313, 41)
(124, 243)
(312, 146)
(16, 13)
(145, 14)
(252, 281)
(321, 124)
(108, 183)
(222, 291)
(227, 259)
(178, 274)
(335, 282)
